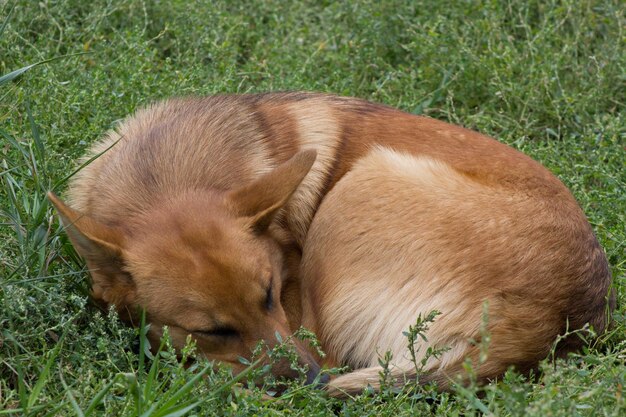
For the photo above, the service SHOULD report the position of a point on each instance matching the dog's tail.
(355, 382)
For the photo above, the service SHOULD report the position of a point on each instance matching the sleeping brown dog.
(234, 217)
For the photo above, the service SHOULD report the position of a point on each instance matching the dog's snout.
(314, 374)
(324, 380)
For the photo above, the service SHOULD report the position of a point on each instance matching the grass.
(547, 77)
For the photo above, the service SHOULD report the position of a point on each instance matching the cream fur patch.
(318, 129)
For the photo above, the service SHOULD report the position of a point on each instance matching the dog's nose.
(324, 380)
(312, 374)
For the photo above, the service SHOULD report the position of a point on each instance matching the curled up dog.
(234, 217)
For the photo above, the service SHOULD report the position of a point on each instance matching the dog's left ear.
(262, 198)
(102, 248)
(91, 239)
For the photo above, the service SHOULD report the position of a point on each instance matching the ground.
(546, 77)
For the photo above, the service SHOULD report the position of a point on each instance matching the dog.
(234, 218)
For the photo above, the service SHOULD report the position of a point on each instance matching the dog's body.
(397, 216)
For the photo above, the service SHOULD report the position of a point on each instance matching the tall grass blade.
(70, 396)
(97, 399)
(13, 212)
(14, 74)
(83, 165)
(6, 20)
(45, 373)
(238, 377)
(184, 410)
(15, 144)
(165, 407)
(21, 387)
(39, 159)
(6, 78)
(148, 389)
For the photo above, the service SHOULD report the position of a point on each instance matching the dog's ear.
(263, 197)
(92, 240)
(101, 247)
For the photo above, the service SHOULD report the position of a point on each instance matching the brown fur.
(355, 217)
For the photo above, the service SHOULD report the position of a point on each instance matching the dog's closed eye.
(269, 300)
(222, 331)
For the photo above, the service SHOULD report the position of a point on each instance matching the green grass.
(547, 77)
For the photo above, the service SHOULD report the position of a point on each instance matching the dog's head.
(201, 263)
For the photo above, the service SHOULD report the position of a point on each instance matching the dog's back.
(398, 216)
